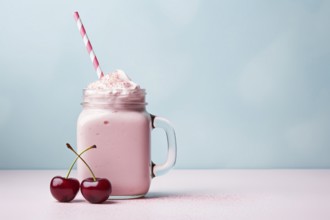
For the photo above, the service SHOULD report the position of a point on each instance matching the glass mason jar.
(119, 125)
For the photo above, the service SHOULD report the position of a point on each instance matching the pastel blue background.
(245, 83)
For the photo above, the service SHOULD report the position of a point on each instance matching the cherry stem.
(90, 170)
(67, 176)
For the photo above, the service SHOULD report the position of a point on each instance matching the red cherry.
(96, 191)
(64, 189)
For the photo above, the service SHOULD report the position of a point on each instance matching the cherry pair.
(94, 190)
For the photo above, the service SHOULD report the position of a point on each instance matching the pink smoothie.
(120, 129)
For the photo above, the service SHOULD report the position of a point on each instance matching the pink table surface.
(181, 194)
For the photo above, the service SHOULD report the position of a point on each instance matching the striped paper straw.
(88, 45)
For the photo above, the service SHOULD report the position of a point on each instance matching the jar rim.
(114, 92)
(109, 98)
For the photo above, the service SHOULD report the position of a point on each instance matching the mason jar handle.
(160, 169)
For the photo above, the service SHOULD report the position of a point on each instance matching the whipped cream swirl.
(116, 90)
(115, 83)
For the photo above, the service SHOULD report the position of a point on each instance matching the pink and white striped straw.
(88, 45)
